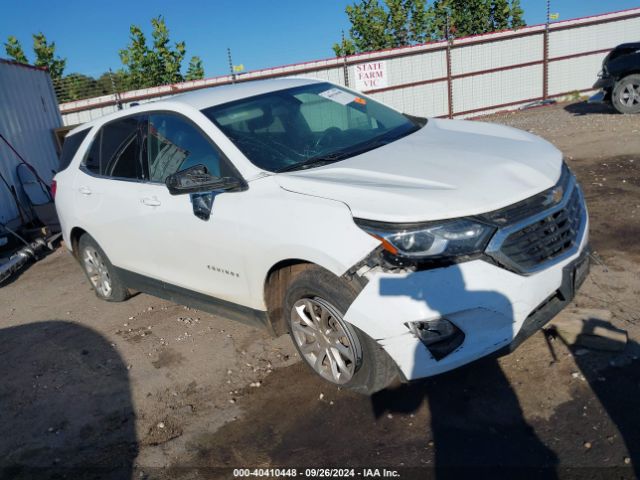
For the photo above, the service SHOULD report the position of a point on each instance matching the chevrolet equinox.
(388, 246)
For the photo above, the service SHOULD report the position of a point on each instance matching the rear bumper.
(496, 309)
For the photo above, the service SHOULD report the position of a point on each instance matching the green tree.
(112, 82)
(195, 70)
(156, 64)
(74, 86)
(346, 47)
(369, 28)
(14, 50)
(44, 51)
(463, 18)
(136, 59)
(165, 61)
(500, 14)
(517, 15)
(46, 56)
(419, 21)
(397, 23)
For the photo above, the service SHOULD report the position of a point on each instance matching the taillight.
(54, 188)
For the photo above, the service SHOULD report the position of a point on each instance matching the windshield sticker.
(338, 96)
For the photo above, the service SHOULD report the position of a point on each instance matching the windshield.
(308, 126)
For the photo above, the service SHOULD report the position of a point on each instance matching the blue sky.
(260, 33)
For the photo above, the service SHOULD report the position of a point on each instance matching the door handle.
(151, 202)
(85, 190)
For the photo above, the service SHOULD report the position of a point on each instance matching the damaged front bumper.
(605, 84)
(494, 309)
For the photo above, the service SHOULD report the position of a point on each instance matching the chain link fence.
(75, 87)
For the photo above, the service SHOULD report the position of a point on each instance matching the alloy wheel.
(97, 271)
(630, 94)
(324, 339)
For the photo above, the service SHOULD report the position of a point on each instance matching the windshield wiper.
(316, 161)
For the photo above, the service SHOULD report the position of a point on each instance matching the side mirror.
(197, 179)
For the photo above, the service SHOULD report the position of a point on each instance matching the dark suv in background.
(620, 78)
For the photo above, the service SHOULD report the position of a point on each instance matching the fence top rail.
(337, 62)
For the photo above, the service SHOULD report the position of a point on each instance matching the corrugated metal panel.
(574, 74)
(28, 114)
(593, 37)
(333, 75)
(485, 56)
(497, 88)
(428, 100)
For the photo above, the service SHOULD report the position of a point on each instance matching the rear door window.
(120, 151)
(115, 151)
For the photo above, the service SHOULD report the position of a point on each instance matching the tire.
(100, 272)
(342, 355)
(626, 94)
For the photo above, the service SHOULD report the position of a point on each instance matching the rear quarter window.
(70, 147)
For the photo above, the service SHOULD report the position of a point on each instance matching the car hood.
(447, 169)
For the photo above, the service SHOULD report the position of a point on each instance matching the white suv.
(388, 246)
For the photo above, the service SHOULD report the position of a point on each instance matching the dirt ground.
(148, 389)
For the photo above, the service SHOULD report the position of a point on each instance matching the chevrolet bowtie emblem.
(555, 196)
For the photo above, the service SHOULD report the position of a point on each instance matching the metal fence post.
(545, 67)
(449, 71)
(345, 66)
(233, 73)
(115, 90)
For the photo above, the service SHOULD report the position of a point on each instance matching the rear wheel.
(626, 95)
(337, 351)
(100, 271)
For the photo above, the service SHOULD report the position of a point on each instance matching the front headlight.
(433, 240)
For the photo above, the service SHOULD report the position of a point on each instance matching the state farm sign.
(370, 76)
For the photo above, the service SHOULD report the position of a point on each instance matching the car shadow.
(585, 108)
(65, 404)
(476, 420)
(617, 387)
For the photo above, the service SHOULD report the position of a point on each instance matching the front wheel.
(335, 350)
(626, 95)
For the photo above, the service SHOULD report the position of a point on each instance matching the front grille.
(527, 208)
(546, 239)
(539, 230)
